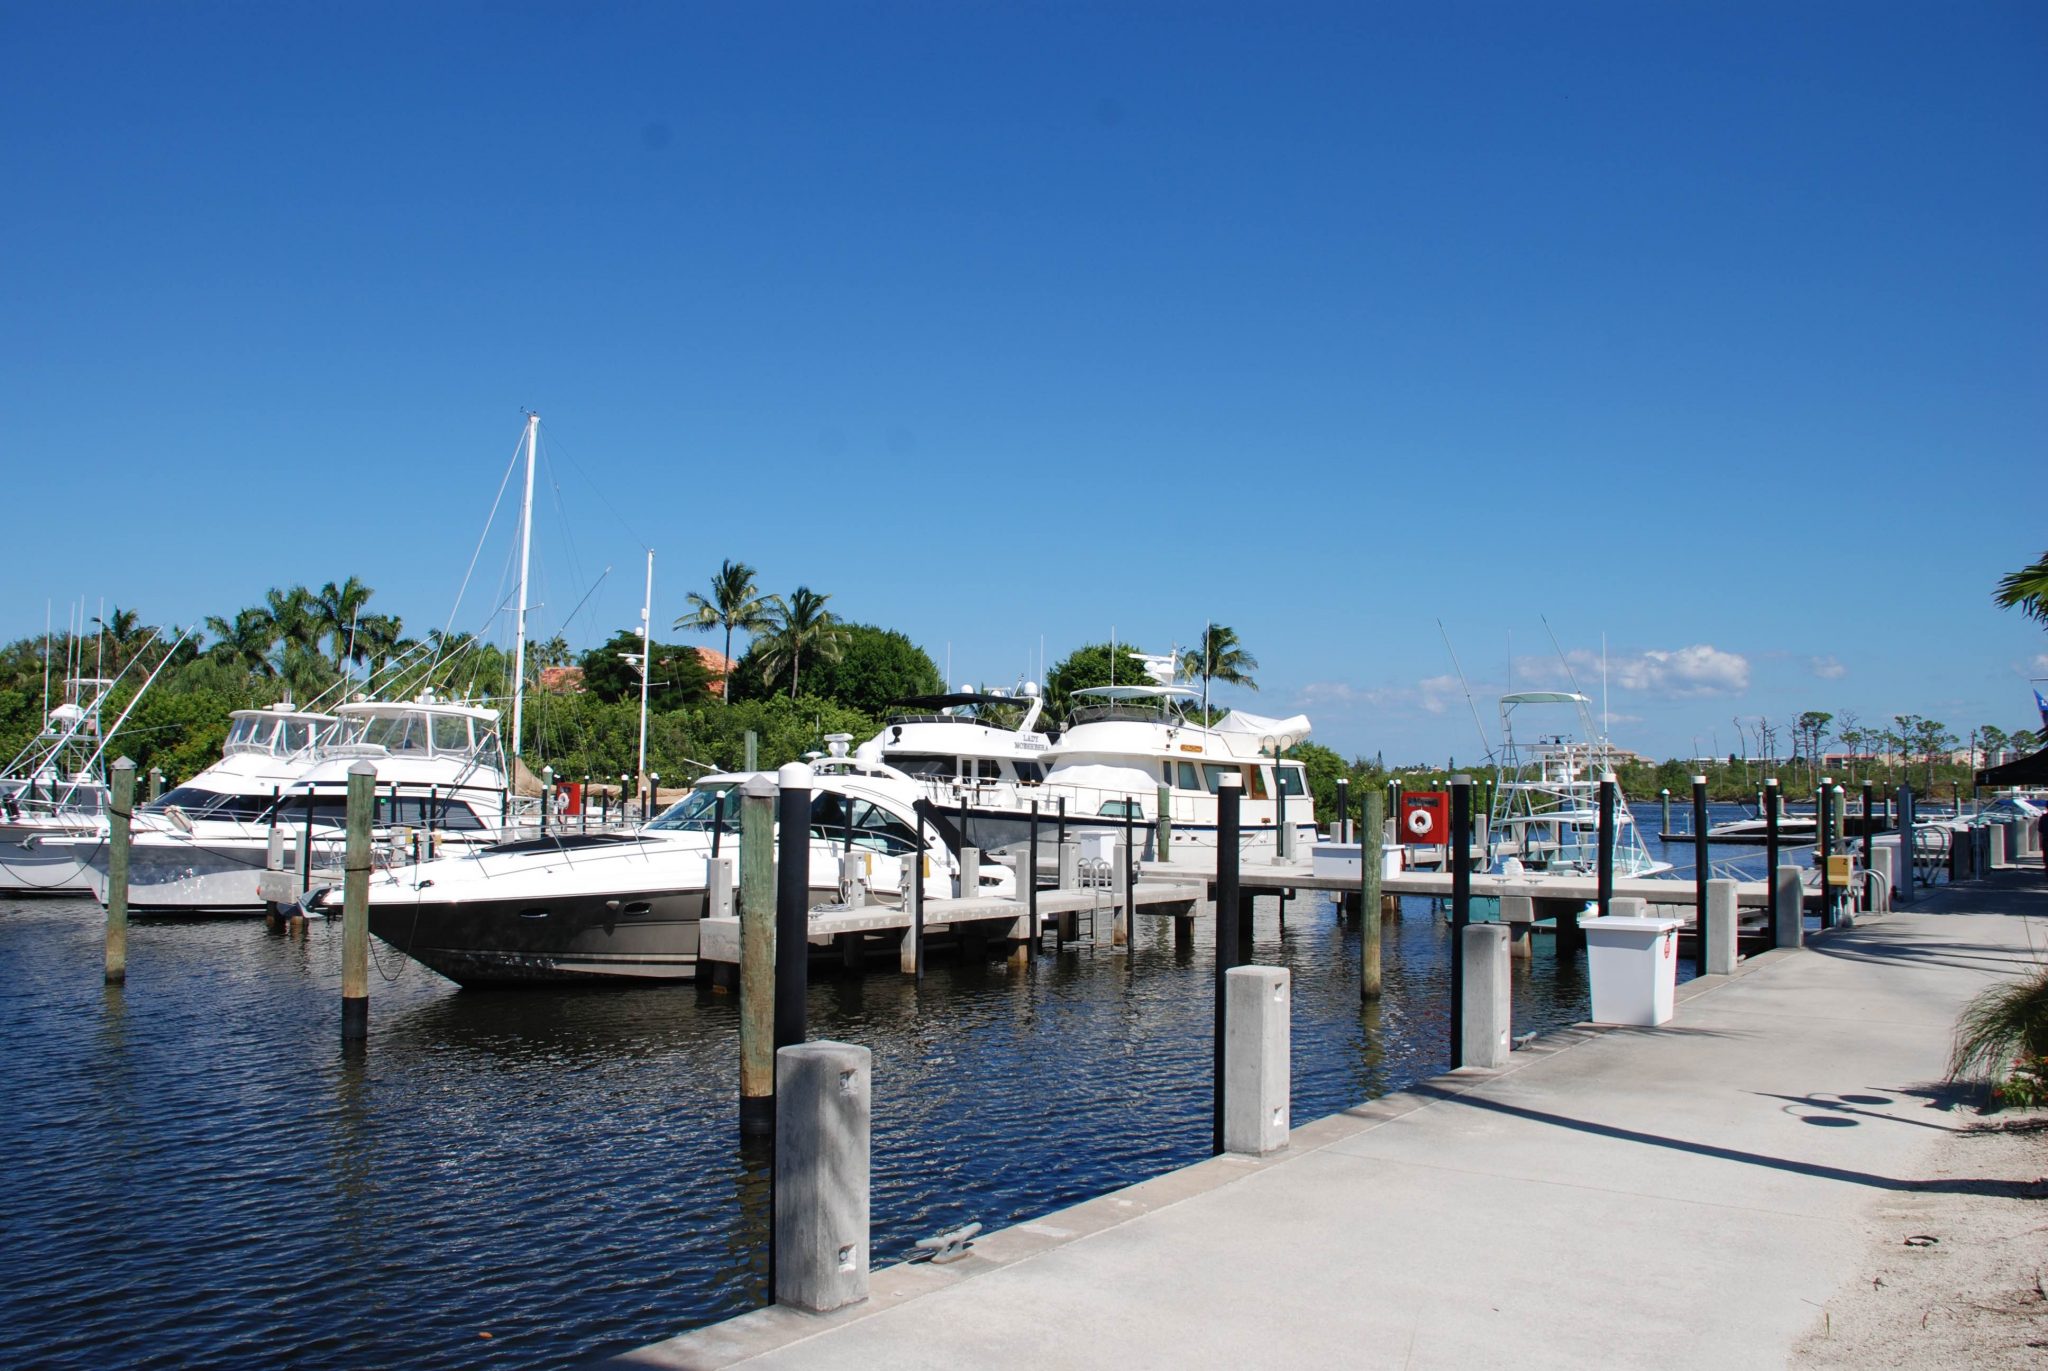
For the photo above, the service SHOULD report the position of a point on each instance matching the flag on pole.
(2043, 705)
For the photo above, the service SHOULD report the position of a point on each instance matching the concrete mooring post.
(1257, 1059)
(1518, 916)
(1717, 927)
(1788, 898)
(1488, 1010)
(823, 1122)
(355, 903)
(120, 813)
(757, 955)
(1369, 857)
(1773, 812)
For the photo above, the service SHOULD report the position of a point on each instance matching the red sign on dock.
(1426, 817)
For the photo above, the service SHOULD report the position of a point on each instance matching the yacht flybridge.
(200, 848)
(1122, 744)
(969, 742)
(1546, 812)
(628, 907)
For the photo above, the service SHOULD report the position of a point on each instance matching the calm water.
(200, 1174)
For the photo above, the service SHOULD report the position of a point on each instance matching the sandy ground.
(1975, 1296)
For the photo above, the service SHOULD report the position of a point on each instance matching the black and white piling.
(1701, 870)
(792, 904)
(1226, 934)
(355, 903)
(1461, 905)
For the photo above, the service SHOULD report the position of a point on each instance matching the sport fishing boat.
(627, 908)
(1546, 809)
(55, 789)
(1121, 746)
(202, 847)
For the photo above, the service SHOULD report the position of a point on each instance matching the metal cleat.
(948, 1247)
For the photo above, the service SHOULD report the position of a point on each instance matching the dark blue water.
(200, 1174)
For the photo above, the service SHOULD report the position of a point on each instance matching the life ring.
(1421, 822)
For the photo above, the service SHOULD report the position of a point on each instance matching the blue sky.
(1712, 329)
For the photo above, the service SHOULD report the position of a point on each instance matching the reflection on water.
(205, 1175)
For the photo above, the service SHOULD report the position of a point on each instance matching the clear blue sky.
(1717, 330)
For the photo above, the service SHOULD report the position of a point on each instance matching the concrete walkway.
(1683, 1196)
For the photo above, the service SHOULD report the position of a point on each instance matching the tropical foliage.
(800, 628)
(1219, 656)
(2026, 590)
(1086, 667)
(2002, 1037)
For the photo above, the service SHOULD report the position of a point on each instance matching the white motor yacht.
(626, 908)
(202, 847)
(1121, 746)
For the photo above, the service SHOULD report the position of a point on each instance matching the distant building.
(562, 680)
(718, 665)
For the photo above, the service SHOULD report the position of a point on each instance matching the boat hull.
(620, 937)
(171, 875)
(41, 859)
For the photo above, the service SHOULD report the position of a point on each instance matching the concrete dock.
(1687, 1196)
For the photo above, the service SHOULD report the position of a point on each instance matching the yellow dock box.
(1841, 869)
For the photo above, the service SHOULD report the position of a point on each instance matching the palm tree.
(297, 635)
(1220, 657)
(734, 603)
(245, 642)
(2026, 590)
(125, 633)
(801, 624)
(337, 610)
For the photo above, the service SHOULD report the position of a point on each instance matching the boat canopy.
(1546, 697)
(955, 701)
(1282, 733)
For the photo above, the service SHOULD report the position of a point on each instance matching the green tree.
(800, 627)
(244, 642)
(1089, 666)
(733, 603)
(2026, 590)
(678, 677)
(1219, 656)
(1924, 738)
(875, 667)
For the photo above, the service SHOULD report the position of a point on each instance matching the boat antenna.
(1604, 725)
(1571, 675)
(519, 622)
(46, 657)
(646, 660)
(1467, 689)
(99, 647)
(1208, 664)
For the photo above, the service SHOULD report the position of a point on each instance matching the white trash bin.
(1633, 961)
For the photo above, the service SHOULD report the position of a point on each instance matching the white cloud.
(1827, 668)
(2039, 666)
(1435, 695)
(1681, 673)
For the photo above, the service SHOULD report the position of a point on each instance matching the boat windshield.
(697, 811)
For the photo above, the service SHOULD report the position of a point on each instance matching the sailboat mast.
(525, 556)
(646, 661)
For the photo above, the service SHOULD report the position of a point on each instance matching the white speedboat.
(626, 908)
(202, 848)
(1546, 808)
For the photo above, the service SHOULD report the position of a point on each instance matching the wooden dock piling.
(120, 814)
(355, 904)
(757, 955)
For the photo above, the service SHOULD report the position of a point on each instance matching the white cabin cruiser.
(626, 908)
(965, 743)
(202, 847)
(55, 789)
